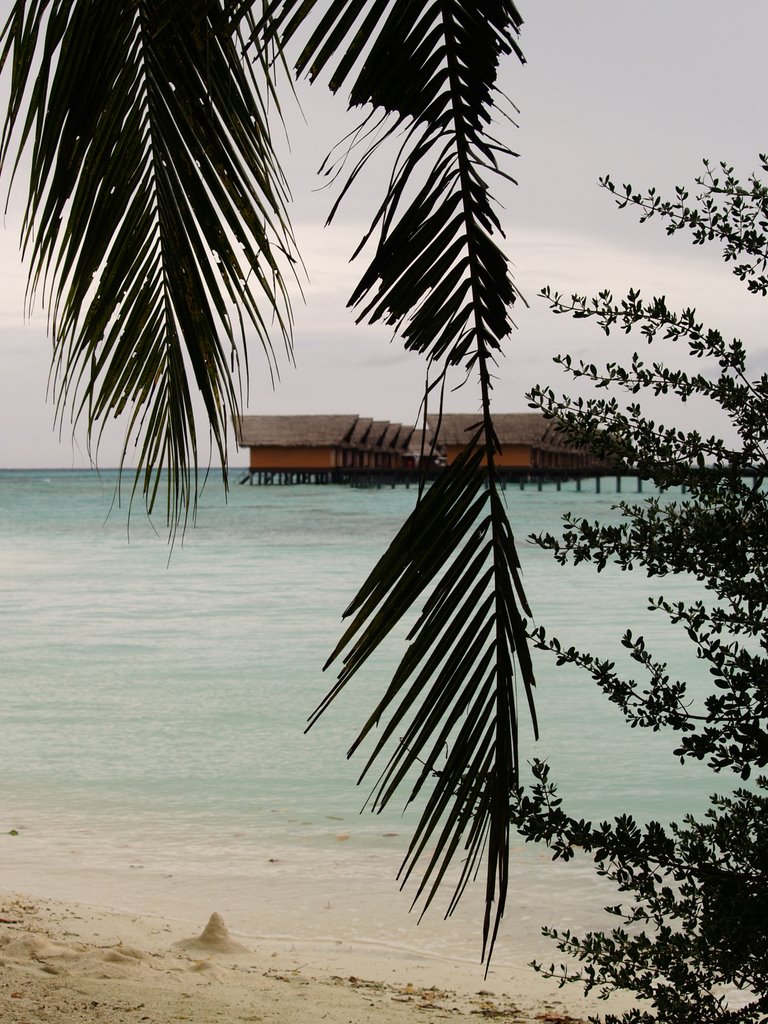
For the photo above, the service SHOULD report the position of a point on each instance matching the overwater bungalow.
(528, 441)
(313, 444)
(307, 443)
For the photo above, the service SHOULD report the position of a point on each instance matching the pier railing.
(598, 480)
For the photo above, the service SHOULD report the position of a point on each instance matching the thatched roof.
(377, 432)
(396, 436)
(359, 436)
(386, 436)
(348, 431)
(352, 431)
(456, 428)
(295, 431)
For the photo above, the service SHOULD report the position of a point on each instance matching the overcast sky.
(641, 92)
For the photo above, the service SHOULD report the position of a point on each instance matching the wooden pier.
(598, 480)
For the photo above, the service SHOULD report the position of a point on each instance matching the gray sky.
(604, 90)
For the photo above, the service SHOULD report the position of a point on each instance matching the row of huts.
(308, 443)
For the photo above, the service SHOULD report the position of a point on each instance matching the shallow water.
(153, 709)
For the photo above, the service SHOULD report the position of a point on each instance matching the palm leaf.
(155, 224)
(455, 687)
(426, 72)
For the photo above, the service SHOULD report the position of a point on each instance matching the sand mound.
(214, 938)
(26, 946)
(124, 955)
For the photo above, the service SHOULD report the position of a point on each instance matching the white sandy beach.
(72, 962)
(92, 933)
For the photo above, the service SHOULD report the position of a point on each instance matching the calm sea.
(152, 709)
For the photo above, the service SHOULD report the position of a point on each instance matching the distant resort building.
(324, 442)
(528, 441)
(337, 447)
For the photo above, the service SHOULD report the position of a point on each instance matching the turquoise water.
(164, 699)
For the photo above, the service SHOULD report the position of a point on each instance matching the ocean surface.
(153, 706)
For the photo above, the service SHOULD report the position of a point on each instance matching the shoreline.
(73, 961)
(339, 893)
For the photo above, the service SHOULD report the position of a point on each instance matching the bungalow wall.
(352, 458)
(518, 456)
(386, 460)
(282, 457)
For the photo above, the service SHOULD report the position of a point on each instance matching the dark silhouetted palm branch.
(452, 703)
(428, 71)
(155, 223)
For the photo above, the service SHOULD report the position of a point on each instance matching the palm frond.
(432, 67)
(155, 222)
(427, 71)
(456, 686)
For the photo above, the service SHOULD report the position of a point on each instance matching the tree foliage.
(696, 912)
(156, 230)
